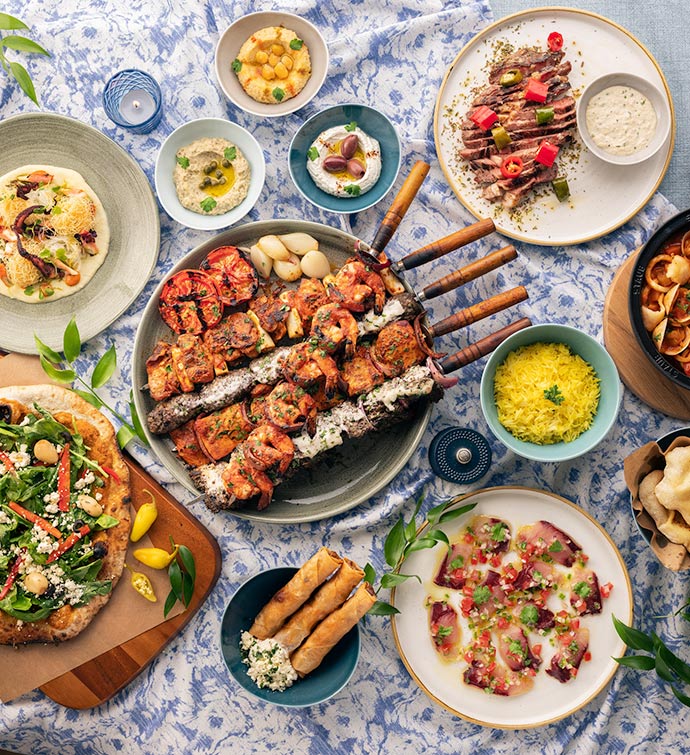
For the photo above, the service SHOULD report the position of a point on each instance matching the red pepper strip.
(546, 154)
(511, 167)
(9, 466)
(555, 41)
(34, 518)
(111, 473)
(64, 479)
(12, 575)
(65, 545)
(536, 91)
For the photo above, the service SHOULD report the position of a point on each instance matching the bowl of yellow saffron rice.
(550, 393)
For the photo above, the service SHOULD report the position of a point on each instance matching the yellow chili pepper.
(146, 516)
(142, 584)
(156, 558)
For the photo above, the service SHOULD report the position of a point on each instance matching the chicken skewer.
(228, 389)
(294, 402)
(170, 372)
(247, 474)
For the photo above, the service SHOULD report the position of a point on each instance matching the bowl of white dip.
(345, 158)
(623, 119)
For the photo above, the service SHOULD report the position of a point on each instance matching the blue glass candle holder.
(132, 99)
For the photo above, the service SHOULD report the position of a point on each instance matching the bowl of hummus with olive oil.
(623, 119)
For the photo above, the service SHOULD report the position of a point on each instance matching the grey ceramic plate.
(346, 476)
(122, 187)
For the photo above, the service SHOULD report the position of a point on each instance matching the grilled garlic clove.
(299, 243)
(273, 247)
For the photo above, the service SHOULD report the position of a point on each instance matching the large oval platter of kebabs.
(506, 131)
(271, 397)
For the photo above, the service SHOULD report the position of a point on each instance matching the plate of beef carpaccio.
(511, 624)
(506, 130)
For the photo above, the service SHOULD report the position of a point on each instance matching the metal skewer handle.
(469, 272)
(445, 245)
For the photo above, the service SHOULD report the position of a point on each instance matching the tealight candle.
(132, 99)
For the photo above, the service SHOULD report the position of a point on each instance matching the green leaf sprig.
(19, 44)
(668, 666)
(52, 363)
(182, 574)
(406, 538)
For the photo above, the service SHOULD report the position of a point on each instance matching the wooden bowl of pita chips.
(658, 477)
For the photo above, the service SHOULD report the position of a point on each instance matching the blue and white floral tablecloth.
(391, 54)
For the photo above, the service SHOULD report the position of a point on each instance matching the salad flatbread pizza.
(64, 513)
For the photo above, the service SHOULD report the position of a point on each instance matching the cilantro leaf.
(230, 153)
(208, 204)
(296, 44)
(353, 190)
(313, 153)
(351, 126)
(554, 395)
(236, 65)
(182, 161)
(278, 94)
(481, 594)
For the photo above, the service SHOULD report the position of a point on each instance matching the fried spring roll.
(332, 629)
(329, 596)
(295, 593)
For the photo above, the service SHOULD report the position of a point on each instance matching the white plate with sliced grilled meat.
(349, 474)
(554, 534)
(602, 196)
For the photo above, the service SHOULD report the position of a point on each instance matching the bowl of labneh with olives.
(345, 158)
(623, 119)
(209, 173)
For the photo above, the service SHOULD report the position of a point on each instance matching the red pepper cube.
(546, 154)
(536, 91)
(484, 117)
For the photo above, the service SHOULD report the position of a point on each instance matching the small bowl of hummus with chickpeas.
(271, 63)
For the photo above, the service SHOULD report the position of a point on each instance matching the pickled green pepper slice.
(544, 115)
(561, 188)
(510, 78)
(501, 137)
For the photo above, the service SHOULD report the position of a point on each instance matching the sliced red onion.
(46, 269)
(443, 380)
(360, 406)
(420, 335)
(368, 258)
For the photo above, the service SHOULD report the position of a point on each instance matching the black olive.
(5, 412)
(49, 594)
(100, 549)
(78, 525)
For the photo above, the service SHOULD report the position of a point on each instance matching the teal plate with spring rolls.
(324, 682)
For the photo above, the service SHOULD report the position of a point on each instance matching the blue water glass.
(132, 99)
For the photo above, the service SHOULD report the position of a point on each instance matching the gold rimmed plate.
(549, 700)
(603, 196)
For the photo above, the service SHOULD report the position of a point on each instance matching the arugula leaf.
(105, 522)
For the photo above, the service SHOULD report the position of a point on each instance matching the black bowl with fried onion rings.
(671, 230)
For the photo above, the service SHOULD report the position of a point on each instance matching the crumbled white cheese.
(98, 496)
(269, 663)
(5, 518)
(25, 421)
(3, 470)
(87, 480)
(45, 542)
(20, 458)
(73, 591)
(51, 499)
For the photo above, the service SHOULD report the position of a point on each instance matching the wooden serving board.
(97, 680)
(636, 371)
